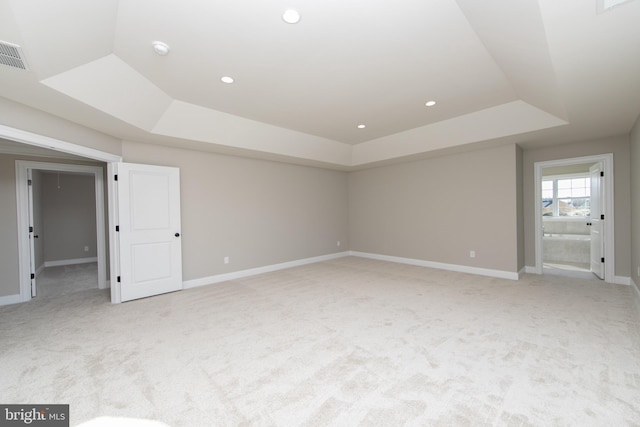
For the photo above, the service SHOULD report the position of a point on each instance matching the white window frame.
(556, 205)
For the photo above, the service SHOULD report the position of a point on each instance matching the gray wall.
(619, 146)
(520, 206)
(635, 202)
(9, 284)
(255, 212)
(439, 209)
(69, 216)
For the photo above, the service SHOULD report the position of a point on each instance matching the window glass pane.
(564, 207)
(578, 206)
(547, 207)
(564, 192)
(573, 196)
(579, 183)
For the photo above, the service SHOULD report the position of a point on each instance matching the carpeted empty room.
(320, 213)
(351, 341)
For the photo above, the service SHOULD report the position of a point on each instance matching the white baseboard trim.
(39, 269)
(441, 266)
(636, 295)
(10, 299)
(194, 283)
(618, 280)
(530, 270)
(70, 262)
(622, 280)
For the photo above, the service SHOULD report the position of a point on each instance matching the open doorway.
(62, 207)
(569, 237)
(64, 232)
(132, 199)
(574, 217)
(42, 142)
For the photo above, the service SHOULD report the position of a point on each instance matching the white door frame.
(114, 242)
(608, 204)
(29, 138)
(22, 172)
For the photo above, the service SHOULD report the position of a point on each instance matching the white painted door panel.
(596, 228)
(149, 236)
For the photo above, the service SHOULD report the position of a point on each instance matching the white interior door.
(149, 238)
(596, 221)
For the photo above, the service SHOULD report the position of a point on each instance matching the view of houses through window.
(566, 196)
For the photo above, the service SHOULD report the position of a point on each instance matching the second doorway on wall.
(61, 215)
(569, 208)
(572, 236)
(65, 233)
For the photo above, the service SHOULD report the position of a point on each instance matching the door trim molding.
(36, 140)
(114, 242)
(609, 238)
(22, 169)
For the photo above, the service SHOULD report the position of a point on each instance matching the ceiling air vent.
(11, 56)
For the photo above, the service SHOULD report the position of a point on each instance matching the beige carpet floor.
(348, 342)
(65, 279)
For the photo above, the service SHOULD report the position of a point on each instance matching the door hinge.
(115, 177)
(602, 216)
(33, 276)
(30, 229)
(118, 279)
(601, 173)
(602, 259)
(29, 182)
(117, 228)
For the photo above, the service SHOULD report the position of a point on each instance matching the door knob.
(177, 234)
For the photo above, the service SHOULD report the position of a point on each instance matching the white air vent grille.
(11, 56)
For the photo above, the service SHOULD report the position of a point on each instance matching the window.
(566, 196)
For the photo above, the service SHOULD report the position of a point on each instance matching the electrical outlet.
(472, 254)
(86, 248)
(226, 260)
(338, 243)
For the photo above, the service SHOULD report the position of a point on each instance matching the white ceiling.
(526, 71)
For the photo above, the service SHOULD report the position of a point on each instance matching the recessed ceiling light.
(362, 126)
(430, 103)
(227, 79)
(291, 16)
(160, 48)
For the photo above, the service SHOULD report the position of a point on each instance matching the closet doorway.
(62, 206)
